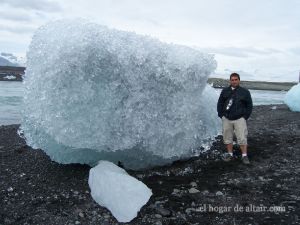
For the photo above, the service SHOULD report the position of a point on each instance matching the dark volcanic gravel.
(201, 190)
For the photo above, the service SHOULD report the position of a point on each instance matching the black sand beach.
(201, 190)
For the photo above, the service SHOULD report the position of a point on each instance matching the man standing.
(235, 107)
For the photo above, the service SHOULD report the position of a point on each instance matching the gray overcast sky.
(258, 38)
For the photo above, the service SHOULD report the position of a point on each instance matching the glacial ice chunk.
(120, 193)
(94, 93)
(292, 98)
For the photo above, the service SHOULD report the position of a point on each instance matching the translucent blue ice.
(112, 187)
(95, 93)
(292, 98)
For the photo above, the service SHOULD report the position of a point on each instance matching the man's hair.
(235, 75)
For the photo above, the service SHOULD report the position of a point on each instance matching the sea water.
(11, 93)
(264, 97)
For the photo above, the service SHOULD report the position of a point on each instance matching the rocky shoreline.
(200, 190)
(12, 73)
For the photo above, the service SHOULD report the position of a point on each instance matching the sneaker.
(227, 157)
(245, 160)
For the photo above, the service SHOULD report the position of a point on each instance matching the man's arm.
(220, 105)
(249, 105)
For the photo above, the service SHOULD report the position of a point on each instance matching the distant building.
(11, 73)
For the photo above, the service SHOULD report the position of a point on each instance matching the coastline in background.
(11, 73)
(254, 85)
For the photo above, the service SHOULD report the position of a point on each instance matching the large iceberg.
(94, 93)
(292, 98)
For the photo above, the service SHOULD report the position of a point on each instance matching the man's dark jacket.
(241, 106)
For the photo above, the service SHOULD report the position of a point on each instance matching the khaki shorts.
(239, 127)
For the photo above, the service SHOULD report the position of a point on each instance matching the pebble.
(105, 222)
(158, 216)
(10, 189)
(219, 193)
(106, 216)
(176, 191)
(163, 212)
(189, 210)
(140, 176)
(193, 190)
(206, 192)
(158, 203)
(81, 214)
(193, 184)
(294, 197)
